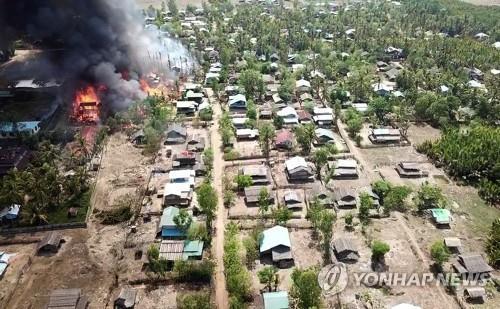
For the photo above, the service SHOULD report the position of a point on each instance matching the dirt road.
(221, 296)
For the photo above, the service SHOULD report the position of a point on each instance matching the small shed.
(453, 244)
(51, 242)
(126, 299)
(441, 216)
(471, 264)
(475, 295)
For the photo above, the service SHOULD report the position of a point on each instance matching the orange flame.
(86, 104)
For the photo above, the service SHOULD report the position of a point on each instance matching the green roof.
(167, 218)
(192, 248)
(276, 300)
(441, 215)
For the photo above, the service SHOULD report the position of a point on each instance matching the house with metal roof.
(410, 170)
(345, 169)
(252, 195)
(238, 101)
(384, 135)
(471, 264)
(441, 216)
(179, 194)
(239, 122)
(275, 300)
(293, 200)
(193, 250)
(323, 136)
(167, 225)
(186, 107)
(247, 134)
(175, 134)
(275, 243)
(297, 169)
(182, 176)
(302, 85)
(289, 115)
(284, 139)
(345, 198)
(4, 263)
(51, 242)
(173, 250)
(126, 299)
(259, 173)
(345, 249)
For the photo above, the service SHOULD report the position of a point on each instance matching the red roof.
(283, 136)
(303, 115)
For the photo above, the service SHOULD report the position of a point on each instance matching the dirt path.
(373, 176)
(221, 296)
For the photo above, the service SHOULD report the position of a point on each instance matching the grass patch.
(60, 215)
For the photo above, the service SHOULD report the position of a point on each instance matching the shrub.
(379, 249)
(194, 300)
(194, 271)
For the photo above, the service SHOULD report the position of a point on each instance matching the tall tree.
(267, 133)
(207, 199)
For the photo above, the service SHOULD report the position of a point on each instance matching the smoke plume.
(98, 41)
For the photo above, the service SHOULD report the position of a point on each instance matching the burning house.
(105, 55)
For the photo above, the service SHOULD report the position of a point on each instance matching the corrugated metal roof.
(274, 237)
(275, 300)
(167, 218)
(171, 250)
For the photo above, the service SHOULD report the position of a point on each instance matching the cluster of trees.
(237, 276)
(471, 155)
(391, 197)
(493, 244)
(43, 190)
(322, 220)
(305, 290)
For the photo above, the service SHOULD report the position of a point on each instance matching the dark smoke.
(96, 41)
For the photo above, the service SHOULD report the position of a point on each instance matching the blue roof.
(276, 300)
(172, 232)
(21, 126)
(274, 237)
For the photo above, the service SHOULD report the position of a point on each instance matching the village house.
(284, 139)
(289, 116)
(345, 250)
(476, 295)
(67, 299)
(211, 77)
(239, 122)
(275, 300)
(304, 116)
(182, 176)
(258, 173)
(126, 299)
(471, 264)
(138, 138)
(178, 194)
(232, 90)
(360, 107)
(185, 159)
(345, 169)
(385, 136)
(51, 242)
(196, 97)
(196, 143)
(237, 102)
(185, 107)
(323, 136)
(410, 170)
(323, 116)
(277, 99)
(275, 244)
(297, 169)
(345, 198)
(302, 86)
(382, 89)
(265, 112)
(167, 227)
(321, 195)
(453, 244)
(252, 195)
(293, 200)
(175, 134)
(247, 134)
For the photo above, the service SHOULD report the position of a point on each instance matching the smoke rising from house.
(98, 42)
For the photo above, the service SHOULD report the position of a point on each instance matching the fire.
(153, 86)
(86, 104)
